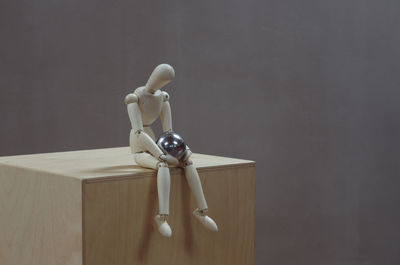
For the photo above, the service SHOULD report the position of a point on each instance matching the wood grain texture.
(118, 221)
(103, 163)
(96, 207)
(40, 218)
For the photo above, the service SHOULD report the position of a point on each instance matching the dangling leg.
(163, 188)
(193, 180)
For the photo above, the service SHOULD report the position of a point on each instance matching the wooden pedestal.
(96, 207)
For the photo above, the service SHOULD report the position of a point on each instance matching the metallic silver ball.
(172, 143)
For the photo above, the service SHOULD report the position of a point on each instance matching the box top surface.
(104, 163)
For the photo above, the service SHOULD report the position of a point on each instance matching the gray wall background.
(309, 89)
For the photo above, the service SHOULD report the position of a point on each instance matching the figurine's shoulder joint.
(131, 98)
(165, 96)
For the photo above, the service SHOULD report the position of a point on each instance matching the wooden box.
(96, 207)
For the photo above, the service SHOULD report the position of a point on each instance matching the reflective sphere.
(172, 143)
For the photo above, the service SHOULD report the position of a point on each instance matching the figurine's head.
(161, 76)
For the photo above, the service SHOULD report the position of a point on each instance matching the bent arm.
(165, 116)
(150, 145)
(135, 117)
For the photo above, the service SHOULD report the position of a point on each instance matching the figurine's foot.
(205, 220)
(162, 226)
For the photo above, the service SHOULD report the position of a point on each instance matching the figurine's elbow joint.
(165, 96)
(137, 132)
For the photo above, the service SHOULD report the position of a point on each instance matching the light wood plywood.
(95, 207)
(118, 228)
(40, 218)
(102, 163)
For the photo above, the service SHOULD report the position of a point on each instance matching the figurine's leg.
(163, 187)
(193, 180)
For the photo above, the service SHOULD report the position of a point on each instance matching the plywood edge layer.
(39, 170)
(174, 170)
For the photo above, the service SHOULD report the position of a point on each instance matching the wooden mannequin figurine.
(145, 105)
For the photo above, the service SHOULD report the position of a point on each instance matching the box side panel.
(40, 218)
(119, 230)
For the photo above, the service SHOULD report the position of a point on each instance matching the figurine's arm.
(135, 116)
(165, 116)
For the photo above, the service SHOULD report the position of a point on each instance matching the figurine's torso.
(150, 105)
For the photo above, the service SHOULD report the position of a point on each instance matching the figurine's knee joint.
(186, 155)
(162, 164)
(188, 162)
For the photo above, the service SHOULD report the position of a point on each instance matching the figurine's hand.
(172, 160)
(187, 154)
